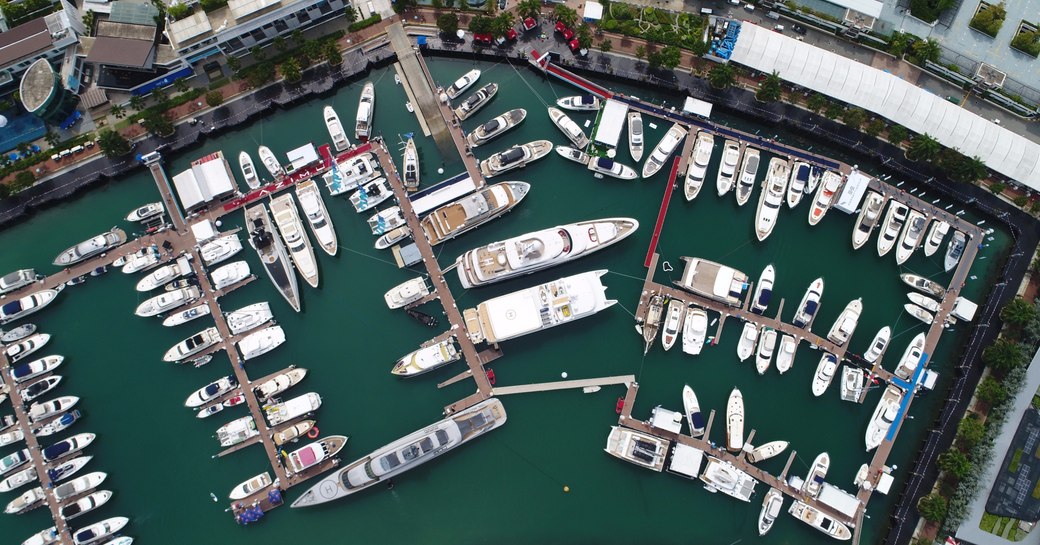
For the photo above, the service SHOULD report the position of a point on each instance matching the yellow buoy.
(566, 488)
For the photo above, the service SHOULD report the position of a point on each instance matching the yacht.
(249, 317)
(748, 173)
(16, 334)
(78, 486)
(193, 345)
(878, 345)
(44, 537)
(927, 303)
(245, 164)
(38, 388)
(913, 230)
(35, 368)
(572, 154)
(366, 109)
(465, 82)
(279, 383)
(635, 136)
(697, 164)
(427, 359)
(14, 460)
(91, 247)
(891, 226)
(261, 342)
(767, 451)
(569, 128)
(490, 130)
(293, 433)
(735, 421)
(694, 417)
(476, 101)
(142, 260)
(580, 103)
(722, 476)
(146, 212)
(283, 208)
(826, 194)
(771, 506)
(772, 198)
(410, 175)
(911, 359)
(639, 448)
(825, 372)
(99, 531)
(936, 234)
(229, 275)
(515, 157)
(923, 284)
(23, 348)
(884, 416)
(220, 250)
(785, 354)
(814, 480)
(815, 174)
(272, 254)
(68, 446)
(954, 250)
(406, 293)
(168, 301)
(270, 162)
(42, 411)
(11, 437)
(919, 313)
(237, 431)
(664, 149)
(763, 290)
(747, 342)
(609, 167)
(250, 486)
(18, 309)
(867, 219)
(472, 211)
(652, 323)
(351, 174)
(85, 505)
(798, 183)
(211, 391)
(280, 413)
(810, 303)
(332, 123)
(315, 453)
(713, 280)
(673, 319)
(538, 308)
(407, 452)
(18, 279)
(853, 381)
(386, 220)
(26, 502)
(540, 250)
(19, 479)
(766, 346)
(846, 323)
(728, 168)
(317, 215)
(820, 521)
(695, 330)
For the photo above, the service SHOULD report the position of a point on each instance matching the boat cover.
(512, 155)
(85, 535)
(605, 163)
(802, 174)
(697, 419)
(307, 457)
(491, 126)
(763, 298)
(11, 308)
(810, 308)
(587, 99)
(57, 449)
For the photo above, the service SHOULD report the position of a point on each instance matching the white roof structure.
(611, 123)
(244, 8)
(838, 499)
(856, 185)
(302, 156)
(697, 107)
(877, 91)
(593, 11)
(208, 178)
(665, 419)
(686, 461)
(869, 7)
(204, 231)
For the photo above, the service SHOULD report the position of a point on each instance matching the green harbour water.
(506, 487)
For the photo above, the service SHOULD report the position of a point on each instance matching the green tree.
(113, 144)
(565, 15)
(23, 148)
(161, 98)
(298, 38)
(448, 23)
(640, 52)
(671, 56)
(53, 139)
(833, 110)
(722, 76)
(989, 19)
(136, 103)
(854, 117)
(351, 14)
(401, 6)
(925, 50)
(179, 11)
(437, 4)
(157, 124)
(529, 8)
(332, 53)
(962, 168)
(5, 191)
(234, 64)
(312, 50)
(22, 181)
(259, 55)
(1018, 312)
(480, 24)
(816, 102)
(991, 391)
(897, 134)
(955, 463)
(88, 21)
(874, 128)
(260, 74)
(502, 23)
(117, 111)
(1004, 355)
(898, 43)
(214, 98)
(584, 36)
(280, 44)
(970, 431)
(923, 147)
(181, 85)
(932, 507)
(606, 45)
(291, 70)
(1027, 41)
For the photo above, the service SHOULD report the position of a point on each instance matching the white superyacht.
(728, 168)
(283, 208)
(697, 165)
(772, 197)
(669, 142)
(317, 215)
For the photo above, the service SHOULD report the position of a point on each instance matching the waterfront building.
(52, 37)
(43, 95)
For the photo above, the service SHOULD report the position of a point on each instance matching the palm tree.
(1003, 355)
(770, 89)
(722, 76)
(117, 111)
(529, 8)
(1018, 312)
(972, 169)
(926, 50)
(923, 147)
(136, 102)
(565, 15)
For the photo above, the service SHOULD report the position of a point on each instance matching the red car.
(485, 39)
(530, 23)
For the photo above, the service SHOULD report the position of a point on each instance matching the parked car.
(799, 29)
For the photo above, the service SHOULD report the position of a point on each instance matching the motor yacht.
(249, 317)
(283, 208)
(635, 136)
(250, 486)
(652, 323)
(270, 162)
(748, 172)
(919, 313)
(245, 164)
(771, 506)
(747, 342)
(893, 223)
(825, 371)
(867, 219)
(279, 383)
(568, 127)
(85, 505)
(20, 308)
(824, 523)
(366, 110)
(695, 330)
(954, 250)
(490, 130)
(923, 284)
(476, 101)
(913, 231)
(472, 211)
(220, 250)
(810, 303)
(280, 413)
(78, 486)
(735, 421)
(335, 127)
(35, 368)
(763, 290)
(99, 531)
(515, 157)
(317, 215)
(826, 195)
(796, 187)
(817, 472)
(313, 454)
(406, 293)
(293, 433)
(846, 323)
(766, 346)
(14, 460)
(785, 353)
(18, 279)
(142, 260)
(728, 167)
(16, 334)
(43, 410)
(20, 350)
(91, 247)
(927, 303)
(59, 424)
(884, 416)
(572, 154)
(936, 234)
(697, 164)
(26, 502)
(694, 417)
(33, 391)
(878, 345)
(237, 431)
(166, 273)
(167, 301)
(145, 212)
(609, 167)
(410, 173)
(772, 198)
(272, 254)
(580, 103)
(465, 82)
(767, 451)
(67, 446)
(214, 390)
(427, 359)
(193, 345)
(668, 144)
(673, 319)
(261, 342)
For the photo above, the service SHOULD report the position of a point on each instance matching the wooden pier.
(563, 385)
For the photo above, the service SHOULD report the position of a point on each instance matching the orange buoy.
(313, 434)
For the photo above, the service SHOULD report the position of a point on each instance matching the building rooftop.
(37, 85)
(24, 40)
(122, 52)
(135, 13)
(200, 23)
(126, 30)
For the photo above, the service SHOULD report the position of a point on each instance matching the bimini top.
(899, 101)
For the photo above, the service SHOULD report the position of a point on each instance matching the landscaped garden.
(989, 18)
(684, 30)
(1027, 40)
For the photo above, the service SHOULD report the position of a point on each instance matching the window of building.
(281, 26)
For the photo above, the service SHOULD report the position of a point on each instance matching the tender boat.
(472, 211)
(568, 127)
(697, 165)
(332, 123)
(410, 175)
(747, 342)
(166, 273)
(283, 208)
(867, 219)
(796, 188)
(237, 431)
(694, 417)
(99, 531)
(142, 260)
(771, 506)
(810, 303)
(884, 416)
(279, 383)
(366, 110)
(220, 250)
(249, 317)
(580, 103)
(210, 411)
(652, 323)
(767, 451)
(635, 136)
(913, 231)
(927, 303)
(954, 250)
(728, 168)
(23, 348)
(245, 164)
(825, 371)
(919, 313)
(211, 391)
(572, 154)
(893, 222)
(695, 330)
(465, 82)
(820, 521)
(490, 130)
(272, 254)
(814, 479)
(167, 301)
(385, 220)
(638, 448)
(852, 383)
(923, 284)
(421, 317)
(261, 342)
(270, 162)
(250, 487)
(735, 421)
(85, 505)
(78, 486)
(314, 454)
(763, 290)
(664, 149)
(878, 345)
(16, 310)
(427, 359)
(18, 333)
(766, 345)
(748, 173)
(610, 167)
(350, 175)
(280, 413)
(293, 432)
(38, 388)
(936, 234)
(44, 410)
(317, 215)
(68, 446)
(59, 424)
(26, 502)
(785, 354)
(826, 194)
(406, 293)
(673, 319)
(515, 157)
(846, 323)
(146, 212)
(13, 461)
(91, 247)
(476, 101)
(722, 476)
(35, 368)
(193, 345)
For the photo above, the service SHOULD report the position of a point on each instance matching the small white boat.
(476, 101)
(826, 194)
(292, 433)
(18, 333)
(637, 448)
(515, 157)
(572, 154)
(580, 103)
(193, 345)
(210, 411)
(392, 237)
(892, 224)
(954, 250)
(465, 82)
(211, 391)
(314, 453)
(406, 293)
(270, 162)
(332, 123)
(785, 354)
(410, 174)
(99, 531)
(220, 250)
(766, 345)
(366, 110)
(825, 371)
(249, 317)
(14, 461)
(261, 342)
(635, 136)
(48, 536)
(427, 359)
(568, 127)
(695, 330)
(91, 247)
(923, 284)
(490, 130)
(237, 431)
(771, 506)
(814, 479)
(913, 232)
(35, 368)
(279, 413)
(820, 521)
(748, 172)
(936, 234)
(287, 220)
(85, 505)
(668, 144)
(25, 347)
(37, 389)
(867, 219)
(911, 359)
(809, 305)
(878, 345)
(735, 421)
(798, 183)
(748, 340)
(146, 212)
(371, 195)
(853, 381)
(612, 168)
(846, 323)
(58, 425)
(919, 313)
(883, 417)
(142, 260)
(166, 273)
(317, 215)
(19, 479)
(250, 486)
(697, 164)
(763, 290)
(694, 417)
(46, 409)
(77, 486)
(229, 275)
(68, 446)
(245, 164)
(11, 437)
(927, 303)
(767, 451)
(167, 301)
(728, 167)
(18, 309)
(186, 316)
(673, 320)
(26, 502)
(279, 383)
